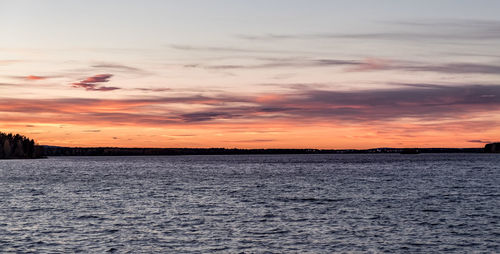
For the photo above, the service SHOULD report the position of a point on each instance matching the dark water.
(277, 203)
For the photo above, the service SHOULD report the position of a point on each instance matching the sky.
(350, 74)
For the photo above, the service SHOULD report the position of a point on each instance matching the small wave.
(268, 215)
(111, 231)
(431, 210)
(39, 209)
(35, 192)
(431, 224)
(419, 244)
(312, 200)
(467, 244)
(270, 232)
(88, 217)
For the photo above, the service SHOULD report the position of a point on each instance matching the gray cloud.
(251, 140)
(207, 116)
(479, 141)
(91, 130)
(117, 67)
(421, 101)
(454, 68)
(370, 64)
(417, 101)
(420, 30)
(235, 50)
(92, 83)
(280, 63)
(447, 68)
(154, 89)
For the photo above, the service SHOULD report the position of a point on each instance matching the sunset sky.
(251, 74)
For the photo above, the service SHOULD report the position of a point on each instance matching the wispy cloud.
(360, 65)
(93, 83)
(207, 116)
(9, 61)
(453, 68)
(251, 141)
(154, 89)
(375, 64)
(117, 67)
(442, 103)
(232, 50)
(7, 84)
(371, 64)
(422, 102)
(268, 63)
(91, 130)
(471, 29)
(408, 30)
(479, 141)
(34, 77)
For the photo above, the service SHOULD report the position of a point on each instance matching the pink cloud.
(92, 83)
(371, 64)
(34, 77)
(98, 78)
(420, 102)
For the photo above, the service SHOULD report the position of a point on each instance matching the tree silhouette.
(17, 146)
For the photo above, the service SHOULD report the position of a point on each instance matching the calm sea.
(428, 203)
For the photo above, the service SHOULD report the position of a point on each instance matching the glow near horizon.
(251, 73)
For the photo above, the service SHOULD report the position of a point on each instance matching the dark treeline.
(15, 146)
(492, 148)
(113, 151)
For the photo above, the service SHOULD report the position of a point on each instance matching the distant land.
(114, 151)
(492, 148)
(15, 146)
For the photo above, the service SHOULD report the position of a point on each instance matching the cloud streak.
(421, 102)
(453, 68)
(34, 77)
(416, 30)
(93, 83)
(232, 50)
(9, 61)
(280, 63)
(361, 65)
(154, 89)
(117, 67)
(479, 141)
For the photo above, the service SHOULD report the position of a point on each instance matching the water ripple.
(427, 203)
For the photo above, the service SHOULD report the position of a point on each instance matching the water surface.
(252, 203)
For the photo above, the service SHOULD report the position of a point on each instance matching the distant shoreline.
(115, 151)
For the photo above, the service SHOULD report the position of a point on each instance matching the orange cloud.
(33, 77)
(416, 101)
(418, 114)
(269, 98)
